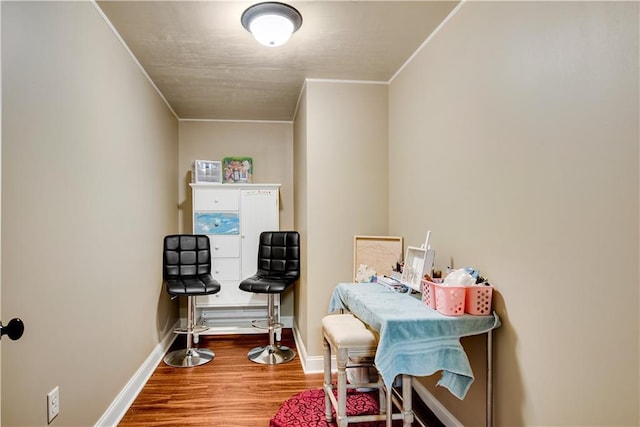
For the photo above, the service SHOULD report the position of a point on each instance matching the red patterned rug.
(306, 409)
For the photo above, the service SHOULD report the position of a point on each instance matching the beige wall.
(269, 144)
(89, 165)
(300, 210)
(517, 126)
(346, 191)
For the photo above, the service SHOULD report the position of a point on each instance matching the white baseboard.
(310, 364)
(128, 394)
(435, 406)
(287, 321)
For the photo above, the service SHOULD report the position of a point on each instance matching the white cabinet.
(233, 216)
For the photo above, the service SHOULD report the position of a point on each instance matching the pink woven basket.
(450, 300)
(479, 300)
(429, 293)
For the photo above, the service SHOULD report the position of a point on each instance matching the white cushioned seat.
(345, 330)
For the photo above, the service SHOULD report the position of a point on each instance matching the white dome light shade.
(271, 30)
(271, 23)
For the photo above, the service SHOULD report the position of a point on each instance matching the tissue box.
(478, 300)
(450, 300)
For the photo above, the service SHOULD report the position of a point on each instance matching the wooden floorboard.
(229, 391)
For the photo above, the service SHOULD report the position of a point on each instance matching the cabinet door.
(259, 211)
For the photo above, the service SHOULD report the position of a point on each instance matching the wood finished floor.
(229, 391)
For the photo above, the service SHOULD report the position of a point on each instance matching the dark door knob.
(14, 329)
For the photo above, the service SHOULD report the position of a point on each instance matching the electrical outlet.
(53, 404)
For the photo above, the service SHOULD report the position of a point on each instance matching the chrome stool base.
(189, 357)
(271, 354)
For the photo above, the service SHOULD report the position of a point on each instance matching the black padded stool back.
(186, 266)
(278, 263)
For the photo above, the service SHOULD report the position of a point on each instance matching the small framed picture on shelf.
(206, 171)
(237, 169)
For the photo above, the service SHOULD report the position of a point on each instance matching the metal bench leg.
(389, 403)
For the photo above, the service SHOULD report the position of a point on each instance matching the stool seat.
(345, 330)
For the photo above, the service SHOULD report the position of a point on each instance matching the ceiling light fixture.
(271, 23)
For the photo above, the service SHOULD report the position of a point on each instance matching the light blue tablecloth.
(414, 339)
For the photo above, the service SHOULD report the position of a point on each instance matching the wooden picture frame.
(380, 253)
(417, 263)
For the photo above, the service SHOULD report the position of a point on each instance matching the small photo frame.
(206, 171)
(237, 169)
(417, 263)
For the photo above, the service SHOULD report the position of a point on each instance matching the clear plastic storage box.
(207, 171)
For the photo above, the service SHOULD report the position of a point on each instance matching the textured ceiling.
(207, 66)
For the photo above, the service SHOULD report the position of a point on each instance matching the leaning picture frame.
(379, 253)
(417, 263)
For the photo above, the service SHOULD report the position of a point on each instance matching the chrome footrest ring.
(196, 330)
(264, 324)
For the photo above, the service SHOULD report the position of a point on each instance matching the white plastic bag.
(459, 277)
